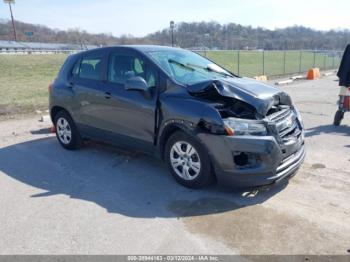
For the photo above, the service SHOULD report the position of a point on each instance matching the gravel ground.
(104, 200)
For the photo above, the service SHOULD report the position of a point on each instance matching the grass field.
(24, 79)
(273, 63)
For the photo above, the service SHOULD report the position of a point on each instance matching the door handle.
(108, 95)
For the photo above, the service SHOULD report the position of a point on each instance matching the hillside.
(235, 36)
(48, 35)
(194, 35)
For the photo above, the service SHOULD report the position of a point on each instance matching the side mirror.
(136, 83)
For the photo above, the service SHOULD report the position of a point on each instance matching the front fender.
(190, 113)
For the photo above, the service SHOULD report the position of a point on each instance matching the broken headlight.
(300, 119)
(242, 128)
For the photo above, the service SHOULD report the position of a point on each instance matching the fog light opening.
(245, 160)
(241, 159)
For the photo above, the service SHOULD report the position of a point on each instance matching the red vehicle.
(344, 105)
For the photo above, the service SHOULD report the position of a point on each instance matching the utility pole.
(172, 25)
(13, 21)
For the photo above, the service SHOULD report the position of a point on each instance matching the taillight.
(50, 88)
(346, 103)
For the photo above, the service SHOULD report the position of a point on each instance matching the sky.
(140, 17)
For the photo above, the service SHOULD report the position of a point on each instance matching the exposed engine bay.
(233, 100)
(235, 108)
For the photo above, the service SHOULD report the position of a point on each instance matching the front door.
(131, 113)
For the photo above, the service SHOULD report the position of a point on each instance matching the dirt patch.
(202, 206)
(8, 109)
(318, 166)
(255, 229)
(18, 111)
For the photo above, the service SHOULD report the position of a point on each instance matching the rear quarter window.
(66, 68)
(76, 68)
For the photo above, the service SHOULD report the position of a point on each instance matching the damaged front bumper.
(249, 161)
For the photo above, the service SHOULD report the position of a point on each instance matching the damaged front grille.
(286, 124)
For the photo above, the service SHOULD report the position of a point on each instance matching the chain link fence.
(277, 63)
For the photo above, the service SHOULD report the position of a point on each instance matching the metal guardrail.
(273, 63)
(36, 51)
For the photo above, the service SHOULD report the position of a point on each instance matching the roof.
(140, 48)
(150, 48)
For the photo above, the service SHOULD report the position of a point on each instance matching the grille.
(286, 124)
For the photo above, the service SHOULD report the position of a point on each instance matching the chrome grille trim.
(280, 115)
(282, 119)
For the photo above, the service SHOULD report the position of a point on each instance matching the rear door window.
(90, 68)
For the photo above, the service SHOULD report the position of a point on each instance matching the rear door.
(131, 114)
(89, 91)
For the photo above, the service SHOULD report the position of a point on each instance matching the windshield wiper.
(210, 69)
(181, 65)
(191, 67)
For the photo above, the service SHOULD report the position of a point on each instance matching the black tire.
(75, 141)
(339, 115)
(205, 176)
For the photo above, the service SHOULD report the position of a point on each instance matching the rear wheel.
(66, 132)
(339, 115)
(188, 161)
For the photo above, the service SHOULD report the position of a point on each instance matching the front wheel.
(339, 115)
(188, 161)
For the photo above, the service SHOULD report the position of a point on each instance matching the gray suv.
(205, 122)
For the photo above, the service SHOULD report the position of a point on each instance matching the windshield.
(187, 67)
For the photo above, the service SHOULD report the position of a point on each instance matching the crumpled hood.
(260, 95)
